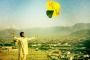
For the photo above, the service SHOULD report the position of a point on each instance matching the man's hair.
(21, 34)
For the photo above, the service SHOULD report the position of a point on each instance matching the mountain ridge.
(57, 30)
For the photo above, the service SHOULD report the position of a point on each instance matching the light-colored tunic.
(23, 47)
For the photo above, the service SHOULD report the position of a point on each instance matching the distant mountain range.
(77, 29)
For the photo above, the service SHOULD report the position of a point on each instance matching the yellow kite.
(53, 7)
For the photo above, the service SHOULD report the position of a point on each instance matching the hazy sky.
(32, 13)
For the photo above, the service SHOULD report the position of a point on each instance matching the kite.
(53, 9)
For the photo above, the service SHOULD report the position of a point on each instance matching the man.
(23, 45)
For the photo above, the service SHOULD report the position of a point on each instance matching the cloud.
(9, 27)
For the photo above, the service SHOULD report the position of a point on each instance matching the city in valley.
(50, 48)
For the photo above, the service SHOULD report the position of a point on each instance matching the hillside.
(50, 31)
(81, 33)
(77, 29)
(81, 26)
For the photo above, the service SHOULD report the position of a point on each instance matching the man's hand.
(13, 34)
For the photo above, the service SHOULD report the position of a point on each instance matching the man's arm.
(32, 38)
(13, 35)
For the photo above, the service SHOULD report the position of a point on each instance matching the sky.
(32, 13)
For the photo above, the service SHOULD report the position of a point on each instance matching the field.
(13, 55)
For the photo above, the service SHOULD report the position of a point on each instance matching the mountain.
(81, 33)
(77, 29)
(80, 29)
(81, 26)
(50, 31)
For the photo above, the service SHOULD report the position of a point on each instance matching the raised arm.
(13, 35)
(31, 38)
